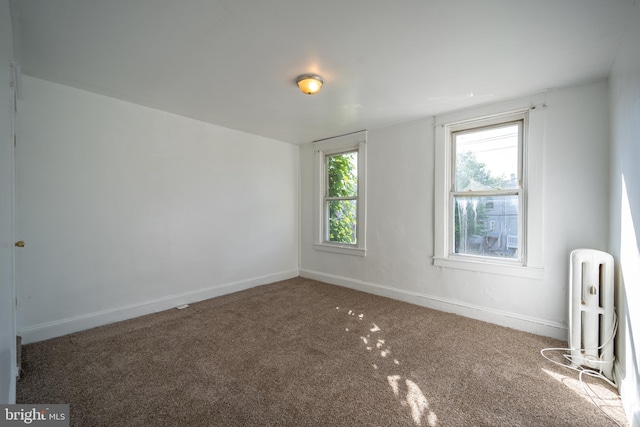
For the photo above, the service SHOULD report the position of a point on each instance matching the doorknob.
(20, 244)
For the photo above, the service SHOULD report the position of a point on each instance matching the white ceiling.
(233, 62)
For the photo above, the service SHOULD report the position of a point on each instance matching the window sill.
(340, 249)
(491, 267)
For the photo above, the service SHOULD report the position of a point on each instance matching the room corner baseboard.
(503, 318)
(617, 373)
(628, 393)
(66, 326)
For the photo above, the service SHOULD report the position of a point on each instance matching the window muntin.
(486, 196)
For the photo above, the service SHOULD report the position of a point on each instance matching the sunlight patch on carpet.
(405, 390)
(606, 399)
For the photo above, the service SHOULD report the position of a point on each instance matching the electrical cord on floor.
(586, 371)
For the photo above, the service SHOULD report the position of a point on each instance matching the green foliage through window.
(473, 175)
(342, 193)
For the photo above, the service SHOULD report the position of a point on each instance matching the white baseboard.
(503, 318)
(66, 326)
(628, 394)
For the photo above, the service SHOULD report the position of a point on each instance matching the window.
(488, 191)
(340, 187)
(341, 198)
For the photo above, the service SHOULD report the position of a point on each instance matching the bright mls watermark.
(36, 415)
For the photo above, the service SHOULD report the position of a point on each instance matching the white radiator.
(591, 310)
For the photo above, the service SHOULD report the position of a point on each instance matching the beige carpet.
(305, 353)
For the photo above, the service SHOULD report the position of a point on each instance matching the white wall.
(7, 317)
(400, 220)
(127, 210)
(625, 210)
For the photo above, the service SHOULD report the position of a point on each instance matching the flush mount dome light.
(309, 83)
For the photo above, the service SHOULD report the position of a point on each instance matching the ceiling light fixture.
(309, 83)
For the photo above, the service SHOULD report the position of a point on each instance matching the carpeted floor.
(305, 353)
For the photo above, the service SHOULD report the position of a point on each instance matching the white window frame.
(529, 264)
(520, 118)
(356, 141)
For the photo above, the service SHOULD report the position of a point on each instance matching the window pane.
(342, 221)
(487, 158)
(487, 226)
(342, 175)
